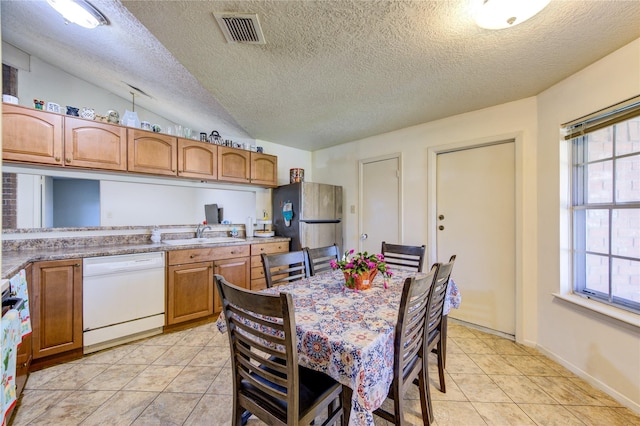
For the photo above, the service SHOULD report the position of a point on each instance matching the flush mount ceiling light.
(498, 14)
(80, 12)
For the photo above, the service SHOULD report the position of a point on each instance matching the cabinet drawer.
(206, 254)
(258, 284)
(257, 272)
(268, 248)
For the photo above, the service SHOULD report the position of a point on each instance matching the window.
(605, 191)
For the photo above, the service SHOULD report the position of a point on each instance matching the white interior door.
(380, 203)
(476, 221)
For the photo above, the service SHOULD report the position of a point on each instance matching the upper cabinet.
(197, 159)
(233, 165)
(31, 136)
(46, 138)
(94, 145)
(152, 153)
(264, 169)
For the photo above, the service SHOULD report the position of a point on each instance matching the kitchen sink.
(214, 240)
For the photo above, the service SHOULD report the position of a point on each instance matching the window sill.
(604, 309)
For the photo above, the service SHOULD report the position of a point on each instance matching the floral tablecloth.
(346, 334)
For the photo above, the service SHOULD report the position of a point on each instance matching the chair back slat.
(283, 268)
(320, 258)
(404, 257)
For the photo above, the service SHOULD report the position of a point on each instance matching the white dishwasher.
(122, 299)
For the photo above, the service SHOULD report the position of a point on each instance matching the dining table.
(347, 334)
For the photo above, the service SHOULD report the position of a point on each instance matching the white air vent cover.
(240, 27)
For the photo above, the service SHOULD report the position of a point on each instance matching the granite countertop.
(14, 260)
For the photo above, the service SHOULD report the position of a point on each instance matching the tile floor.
(183, 378)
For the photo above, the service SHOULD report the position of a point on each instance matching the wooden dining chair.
(445, 320)
(267, 381)
(436, 335)
(320, 258)
(282, 268)
(409, 349)
(404, 257)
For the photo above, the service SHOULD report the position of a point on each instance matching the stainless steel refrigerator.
(309, 213)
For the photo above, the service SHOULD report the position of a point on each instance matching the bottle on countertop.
(156, 237)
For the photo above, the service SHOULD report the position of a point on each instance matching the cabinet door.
(233, 165)
(197, 159)
(189, 292)
(264, 169)
(152, 153)
(57, 307)
(31, 136)
(94, 145)
(236, 271)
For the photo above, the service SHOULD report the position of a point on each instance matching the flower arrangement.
(356, 265)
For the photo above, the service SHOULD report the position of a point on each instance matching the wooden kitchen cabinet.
(234, 165)
(150, 152)
(197, 159)
(94, 145)
(258, 281)
(56, 302)
(264, 169)
(191, 290)
(31, 136)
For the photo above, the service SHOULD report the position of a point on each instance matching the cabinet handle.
(192, 256)
(57, 158)
(77, 265)
(68, 160)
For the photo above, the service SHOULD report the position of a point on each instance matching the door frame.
(361, 164)
(431, 255)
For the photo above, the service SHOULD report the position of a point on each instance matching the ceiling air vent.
(240, 27)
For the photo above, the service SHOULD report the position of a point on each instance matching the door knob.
(441, 227)
(364, 236)
(441, 217)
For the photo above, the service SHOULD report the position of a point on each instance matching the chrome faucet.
(200, 229)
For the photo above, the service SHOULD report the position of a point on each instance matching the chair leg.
(427, 390)
(425, 402)
(443, 387)
(443, 339)
(347, 394)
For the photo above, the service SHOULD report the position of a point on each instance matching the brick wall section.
(9, 200)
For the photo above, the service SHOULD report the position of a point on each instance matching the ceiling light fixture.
(498, 14)
(80, 12)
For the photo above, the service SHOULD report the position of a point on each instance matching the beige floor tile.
(114, 378)
(609, 416)
(211, 356)
(121, 409)
(507, 347)
(218, 407)
(531, 365)
(144, 354)
(452, 346)
(602, 397)
(75, 377)
(502, 414)
(40, 377)
(565, 391)
(33, 403)
(550, 415)
(177, 355)
(522, 390)
(197, 338)
(473, 346)
(222, 385)
(193, 380)
(453, 391)
(169, 409)
(461, 363)
(479, 388)
(459, 331)
(454, 413)
(494, 364)
(109, 356)
(154, 378)
(73, 409)
(169, 339)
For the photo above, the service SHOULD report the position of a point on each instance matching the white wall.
(604, 351)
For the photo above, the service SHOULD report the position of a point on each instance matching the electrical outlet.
(353, 209)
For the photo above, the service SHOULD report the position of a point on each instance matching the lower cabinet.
(56, 307)
(258, 281)
(191, 292)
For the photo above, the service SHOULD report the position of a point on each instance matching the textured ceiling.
(331, 71)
